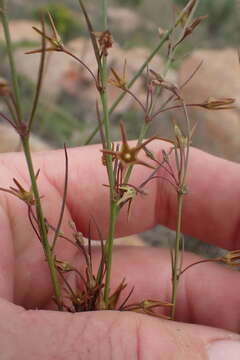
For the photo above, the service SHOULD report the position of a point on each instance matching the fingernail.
(224, 350)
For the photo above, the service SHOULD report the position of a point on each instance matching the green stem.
(133, 80)
(104, 14)
(104, 100)
(64, 198)
(164, 38)
(111, 178)
(25, 142)
(106, 123)
(113, 207)
(177, 251)
(41, 223)
(143, 133)
(39, 81)
(182, 169)
(16, 91)
(114, 211)
(172, 53)
(113, 217)
(177, 257)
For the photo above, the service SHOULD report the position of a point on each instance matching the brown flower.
(218, 104)
(118, 80)
(105, 41)
(4, 87)
(25, 195)
(56, 43)
(232, 258)
(128, 155)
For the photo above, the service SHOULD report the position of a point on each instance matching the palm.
(24, 274)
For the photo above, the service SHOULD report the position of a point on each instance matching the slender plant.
(118, 160)
(23, 127)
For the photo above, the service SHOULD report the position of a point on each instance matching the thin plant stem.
(41, 224)
(67, 52)
(11, 108)
(8, 120)
(136, 99)
(104, 14)
(91, 31)
(33, 222)
(183, 166)
(103, 74)
(64, 197)
(173, 49)
(171, 97)
(40, 79)
(176, 270)
(109, 249)
(19, 126)
(16, 91)
(200, 262)
(106, 124)
(100, 126)
(173, 107)
(132, 81)
(188, 141)
(164, 38)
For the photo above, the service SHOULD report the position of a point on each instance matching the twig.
(64, 197)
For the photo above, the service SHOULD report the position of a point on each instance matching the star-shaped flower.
(128, 155)
(119, 80)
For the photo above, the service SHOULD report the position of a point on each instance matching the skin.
(208, 299)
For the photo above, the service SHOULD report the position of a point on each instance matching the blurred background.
(67, 108)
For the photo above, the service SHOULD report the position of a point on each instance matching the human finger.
(213, 186)
(208, 293)
(39, 334)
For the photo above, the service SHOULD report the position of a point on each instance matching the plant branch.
(40, 79)
(16, 91)
(41, 223)
(64, 197)
(133, 80)
(176, 263)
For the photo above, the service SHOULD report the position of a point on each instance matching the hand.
(209, 295)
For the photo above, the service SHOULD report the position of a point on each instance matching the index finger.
(211, 207)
